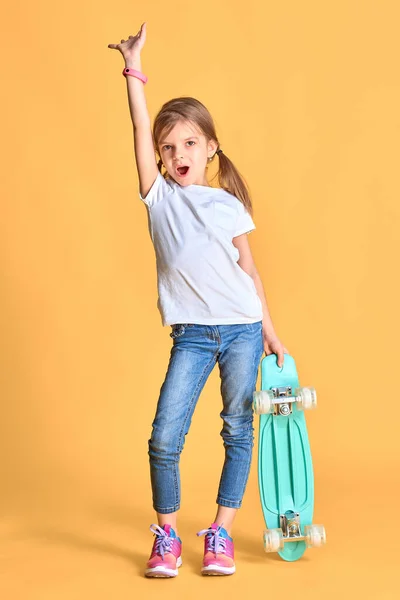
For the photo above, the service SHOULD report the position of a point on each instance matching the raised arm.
(143, 140)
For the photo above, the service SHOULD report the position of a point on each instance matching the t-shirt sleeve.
(244, 222)
(158, 190)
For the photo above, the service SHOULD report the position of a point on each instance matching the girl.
(211, 296)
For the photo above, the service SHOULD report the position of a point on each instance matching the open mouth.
(182, 171)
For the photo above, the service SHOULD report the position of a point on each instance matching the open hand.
(132, 47)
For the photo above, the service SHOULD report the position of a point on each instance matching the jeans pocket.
(256, 327)
(178, 329)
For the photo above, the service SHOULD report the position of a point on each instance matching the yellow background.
(305, 96)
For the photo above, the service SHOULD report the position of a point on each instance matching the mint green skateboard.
(285, 472)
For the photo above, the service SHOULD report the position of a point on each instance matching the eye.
(167, 146)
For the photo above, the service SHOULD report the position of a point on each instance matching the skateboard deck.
(285, 470)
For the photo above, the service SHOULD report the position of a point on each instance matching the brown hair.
(190, 110)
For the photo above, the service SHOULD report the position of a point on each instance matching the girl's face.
(184, 153)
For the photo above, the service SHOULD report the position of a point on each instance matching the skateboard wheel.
(307, 398)
(314, 535)
(263, 402)
(273, 540)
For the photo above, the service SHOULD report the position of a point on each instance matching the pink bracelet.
(134, 73)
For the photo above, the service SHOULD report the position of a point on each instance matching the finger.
(280, 359)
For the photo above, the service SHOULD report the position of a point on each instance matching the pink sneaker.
(165, 556)
(218, 551)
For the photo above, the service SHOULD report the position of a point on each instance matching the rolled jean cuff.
(229, 503)
(166, 511)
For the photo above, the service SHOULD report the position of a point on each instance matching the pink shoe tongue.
(167, 529)
(214, 526)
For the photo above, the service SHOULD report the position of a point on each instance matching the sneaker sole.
(217, 570)
(163, 571)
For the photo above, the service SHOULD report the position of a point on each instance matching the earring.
(210, 158)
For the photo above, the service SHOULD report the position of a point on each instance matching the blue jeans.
(196, 348)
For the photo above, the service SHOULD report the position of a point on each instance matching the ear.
(212, 146)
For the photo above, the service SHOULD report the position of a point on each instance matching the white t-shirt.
(198, 277)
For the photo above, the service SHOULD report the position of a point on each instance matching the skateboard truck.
(280, 400)
(285, 407)
(290, 525)
(274, 539)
